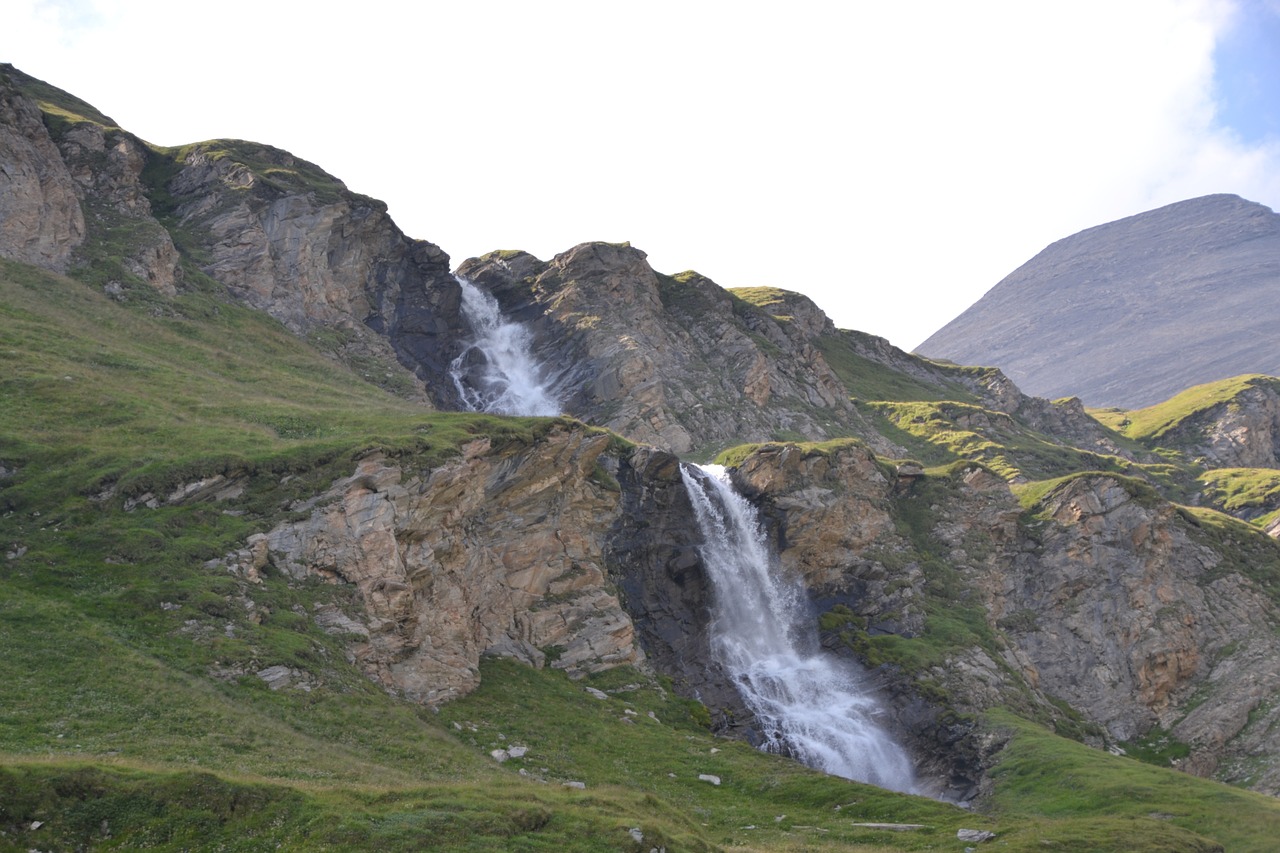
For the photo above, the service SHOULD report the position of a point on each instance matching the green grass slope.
(1154, 423)
(130, 716)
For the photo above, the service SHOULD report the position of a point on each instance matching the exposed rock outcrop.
(673, 361)
(497, 552)
(107, 165)
(1130, 609)
(41, 222)
(1240, 432)
(1141, 616)
(289, 239)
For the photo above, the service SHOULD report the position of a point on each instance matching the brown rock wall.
(41, 222)
(493, 553)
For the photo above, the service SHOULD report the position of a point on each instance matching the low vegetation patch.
(1059, 794)
(1154, 423)
(871, 381)
(1242, 491)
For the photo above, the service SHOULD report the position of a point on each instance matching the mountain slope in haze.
(1132, 312)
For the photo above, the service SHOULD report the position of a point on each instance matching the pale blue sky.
(1247, 72)
(891, 160)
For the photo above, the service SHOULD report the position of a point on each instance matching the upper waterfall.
(497, 371)
(808, 704)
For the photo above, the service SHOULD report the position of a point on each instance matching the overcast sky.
(891, 160)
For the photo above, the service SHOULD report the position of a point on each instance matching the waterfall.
(497, 371)
(809, 705)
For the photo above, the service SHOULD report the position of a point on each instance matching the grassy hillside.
(1154, 423)
(131, 716)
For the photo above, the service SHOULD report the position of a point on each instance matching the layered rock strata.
(41, 222)
(289, 239)
(494, 553)
(677, 362)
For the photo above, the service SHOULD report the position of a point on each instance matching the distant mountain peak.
(1131, 312)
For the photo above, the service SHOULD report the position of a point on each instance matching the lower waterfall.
(809, 705)
(497, 371)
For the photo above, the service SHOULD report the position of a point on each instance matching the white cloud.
(893, 161)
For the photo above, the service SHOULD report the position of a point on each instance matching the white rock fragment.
(500, 755)
(599, 694)
(975, 835)
(707, 777)
(578, 785)
(517, 751)
(276, 676)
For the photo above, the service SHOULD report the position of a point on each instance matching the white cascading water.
(497, 371)
(809, 705)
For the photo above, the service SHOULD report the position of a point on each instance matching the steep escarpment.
(41, 222)
(494, 553)
(1147, 617)
(285, 237)
(270, 230)
(77, 199)
(575, 552)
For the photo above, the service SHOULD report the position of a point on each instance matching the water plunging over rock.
(497, 371)
(808, 705)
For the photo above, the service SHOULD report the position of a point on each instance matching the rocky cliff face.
(287, 238)
(1106, 597)
(676, 362)
(499, 552)
(278, 233)
(78, 198)
(1143, 615)
(40, 218)
(575, 553)
(1241, 432)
